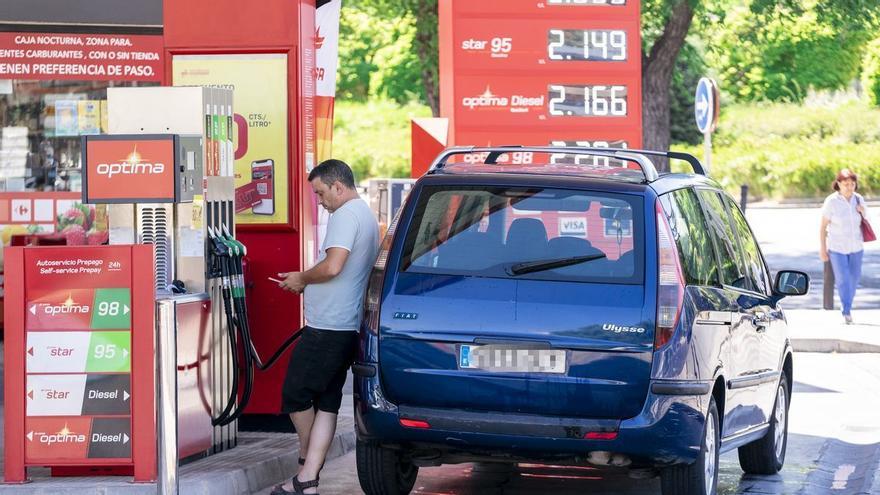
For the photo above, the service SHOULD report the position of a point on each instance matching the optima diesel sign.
(129, 169)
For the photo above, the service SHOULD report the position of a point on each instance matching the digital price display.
(593, 160)
(587, 101)
(576, 44)
(533, 72)
(586, 2)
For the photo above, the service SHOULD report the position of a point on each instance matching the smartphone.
(262, 175)
(275, 280)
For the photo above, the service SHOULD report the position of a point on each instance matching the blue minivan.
(571, 306)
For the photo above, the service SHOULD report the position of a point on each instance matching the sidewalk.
(259, 461)
(816, 330)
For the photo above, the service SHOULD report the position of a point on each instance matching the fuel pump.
(198, 260)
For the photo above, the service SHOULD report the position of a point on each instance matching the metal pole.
(707, 151)
(743, 196)
(828, 287)
(167, 383)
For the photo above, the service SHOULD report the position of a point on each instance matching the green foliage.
(374, 137)
(871, 72)
(792, 151)
(380, 49)
(376, 57)
(777, 53)
(688, 69)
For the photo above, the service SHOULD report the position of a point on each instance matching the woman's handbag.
(868, 234)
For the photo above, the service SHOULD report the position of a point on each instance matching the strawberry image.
(73, 216)
(75, 235)
(97, 237)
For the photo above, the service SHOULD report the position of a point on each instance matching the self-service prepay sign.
(79, 377)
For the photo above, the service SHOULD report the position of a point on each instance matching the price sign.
(551, 46)
(567, 70)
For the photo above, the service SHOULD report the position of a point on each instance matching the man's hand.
(823, 255)
(292, 281)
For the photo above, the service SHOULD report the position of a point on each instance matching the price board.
(563, 72)
(79, 358)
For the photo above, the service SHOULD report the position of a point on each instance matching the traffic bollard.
(743, 194)
(828, 287)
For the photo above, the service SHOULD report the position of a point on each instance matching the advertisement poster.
(259, 82)
(66, 121)
(89, 115)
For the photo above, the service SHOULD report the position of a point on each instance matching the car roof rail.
(639, 157)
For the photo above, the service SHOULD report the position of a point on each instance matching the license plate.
(504, 358)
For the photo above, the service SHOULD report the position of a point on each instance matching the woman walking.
(840, 237)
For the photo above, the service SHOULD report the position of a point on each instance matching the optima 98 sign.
(550, 71)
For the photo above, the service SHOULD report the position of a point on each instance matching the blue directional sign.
(705, 105)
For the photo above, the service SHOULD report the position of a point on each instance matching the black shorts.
(317, 370)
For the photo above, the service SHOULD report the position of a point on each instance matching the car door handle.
(760, 320)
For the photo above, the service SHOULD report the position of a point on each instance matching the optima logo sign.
(134, 164)
(517, 103)
(68, 307)
(64, 436)
(130, 170)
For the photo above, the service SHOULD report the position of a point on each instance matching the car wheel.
(383, 471)
(767, 455)
(701, 477)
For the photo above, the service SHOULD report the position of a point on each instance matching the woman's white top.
(844, 226)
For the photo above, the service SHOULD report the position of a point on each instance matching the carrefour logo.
(517, 103)
(134, 164)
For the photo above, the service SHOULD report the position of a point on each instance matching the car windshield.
(526, 233)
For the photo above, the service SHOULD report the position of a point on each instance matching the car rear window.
(513, 232)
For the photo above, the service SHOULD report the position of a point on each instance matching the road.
(834, 448)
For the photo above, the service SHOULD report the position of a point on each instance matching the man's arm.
(327, 269)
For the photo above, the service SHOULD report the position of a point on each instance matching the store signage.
(49, 56)
(561, 72)
(129, 170)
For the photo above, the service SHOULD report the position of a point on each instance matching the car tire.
(701, 477)
(767, 455)
(383, 471)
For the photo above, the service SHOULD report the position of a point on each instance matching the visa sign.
(573, 226)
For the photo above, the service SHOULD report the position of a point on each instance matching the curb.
(833, 345)
(257, 475)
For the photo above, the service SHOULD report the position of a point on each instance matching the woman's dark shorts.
(317, 370)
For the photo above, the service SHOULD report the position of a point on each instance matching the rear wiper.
(540, 265)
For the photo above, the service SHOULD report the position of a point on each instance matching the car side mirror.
(791, 283)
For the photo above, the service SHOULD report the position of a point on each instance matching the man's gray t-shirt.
(338, 303)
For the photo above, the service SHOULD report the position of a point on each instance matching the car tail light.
(600, 435)
(414, 423)
(670, 291)
(373, 298)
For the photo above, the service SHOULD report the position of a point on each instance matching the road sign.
(706, 105)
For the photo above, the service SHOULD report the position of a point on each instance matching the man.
(332, 295)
